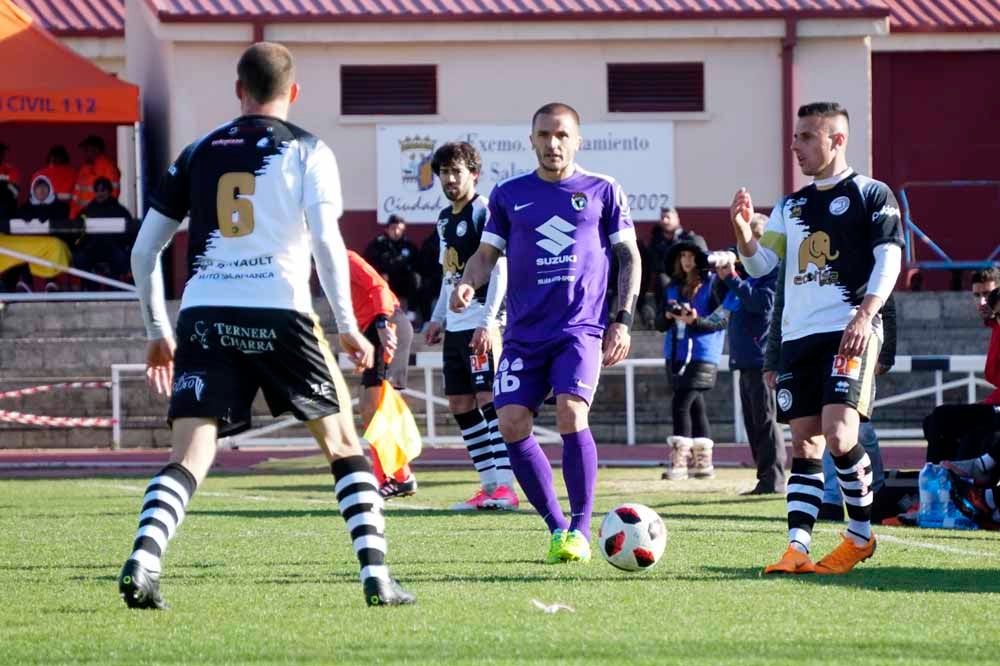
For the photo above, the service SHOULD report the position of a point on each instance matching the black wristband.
(624, 317)
(381, 321)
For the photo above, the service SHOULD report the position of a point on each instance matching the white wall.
(736, 141)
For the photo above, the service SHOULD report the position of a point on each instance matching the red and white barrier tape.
(46, 388)
(54, 421)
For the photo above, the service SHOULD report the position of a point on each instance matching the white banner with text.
(638, 155)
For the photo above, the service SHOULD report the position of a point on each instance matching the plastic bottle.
(936, 507)
(931, 512)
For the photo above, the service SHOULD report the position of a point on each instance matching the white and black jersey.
(246, 186)
(827, 235)
(460, 233)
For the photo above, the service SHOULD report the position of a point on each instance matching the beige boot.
(703, 468)
(680, 452)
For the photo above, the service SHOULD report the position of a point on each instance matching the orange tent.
(43, 81)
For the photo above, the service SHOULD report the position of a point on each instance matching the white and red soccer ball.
(632, 537)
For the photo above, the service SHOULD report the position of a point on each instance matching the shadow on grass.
(327, 488)
(876, 579)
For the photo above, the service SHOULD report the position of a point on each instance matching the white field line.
(136, 490)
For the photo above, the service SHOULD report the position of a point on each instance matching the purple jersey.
(558, 238)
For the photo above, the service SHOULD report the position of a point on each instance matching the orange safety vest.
(369, 292)
(83, 194)
(10, 177)
(62, 177)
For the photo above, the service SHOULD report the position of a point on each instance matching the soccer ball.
(632, 537)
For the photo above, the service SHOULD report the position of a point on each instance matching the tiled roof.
(78, 18)
(107, 17)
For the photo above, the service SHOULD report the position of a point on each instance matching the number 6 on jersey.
(235, 213)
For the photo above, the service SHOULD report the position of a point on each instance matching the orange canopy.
(43, 81)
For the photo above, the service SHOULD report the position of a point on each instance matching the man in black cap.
(395, 258)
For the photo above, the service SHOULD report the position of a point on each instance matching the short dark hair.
(824, 110)
(395, 219)
(58, 154)
(103, 183)
(986, 275)
(459, 152)
(266, 71)
(993, 298)
(554, 109)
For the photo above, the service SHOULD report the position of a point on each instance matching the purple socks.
(579, 460)
(534, 474)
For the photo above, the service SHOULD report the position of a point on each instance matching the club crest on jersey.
(415, 163)
(839, 205)
(578, 200)
(461, 228)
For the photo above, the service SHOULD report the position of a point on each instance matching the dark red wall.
(935, 118)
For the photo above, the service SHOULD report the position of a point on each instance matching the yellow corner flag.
(393, 432)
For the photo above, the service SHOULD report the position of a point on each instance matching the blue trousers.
(869, 441)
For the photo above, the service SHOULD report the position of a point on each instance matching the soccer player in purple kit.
(557, 226)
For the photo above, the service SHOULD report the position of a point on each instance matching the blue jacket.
(750, 303)
(695, 343)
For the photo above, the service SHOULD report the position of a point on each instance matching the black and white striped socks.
(479, 444)
(504, 473)
(163, 509)
(854, 472)
(805, 495)
(361, 507)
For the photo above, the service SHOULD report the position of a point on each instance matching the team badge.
(462, 228)
(839, 205)
(846, 366)
(579, 200)
(785, 399)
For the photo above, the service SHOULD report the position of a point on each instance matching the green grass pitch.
(262, 572)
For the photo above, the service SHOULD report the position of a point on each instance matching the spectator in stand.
(395, 258)
(42, 205)
(692, 348)
(431, 274)
(10, 184)
(666, 234)
(59, 172)
(95, 165)
(106, 254)
(982, 504)
(374, 306)
(962, 431)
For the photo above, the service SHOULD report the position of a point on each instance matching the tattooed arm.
(617, 339)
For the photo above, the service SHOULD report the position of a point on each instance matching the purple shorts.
(527, 372)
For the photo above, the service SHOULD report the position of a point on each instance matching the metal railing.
(128, 292)
(431, 362)
(910, 229)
